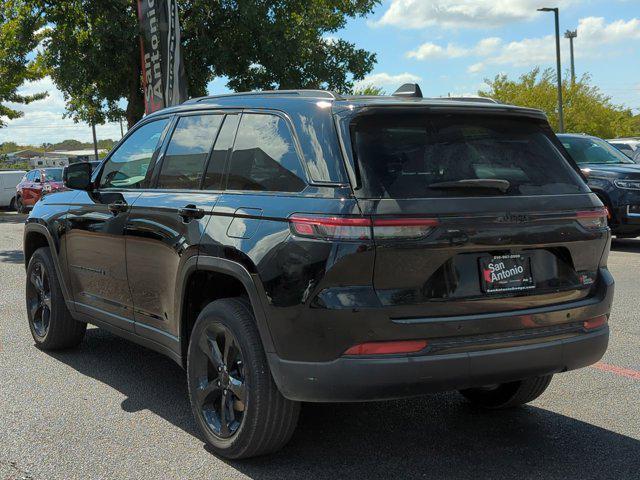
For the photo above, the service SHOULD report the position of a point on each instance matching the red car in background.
(35, 184)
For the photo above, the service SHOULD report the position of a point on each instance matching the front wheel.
(51, 324)
(236, 404)
(508, 395)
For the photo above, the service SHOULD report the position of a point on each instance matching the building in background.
(62, 158)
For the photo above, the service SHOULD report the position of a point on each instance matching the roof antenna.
(408, 90)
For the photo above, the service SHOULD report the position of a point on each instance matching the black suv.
(300, 246)
(613, 176)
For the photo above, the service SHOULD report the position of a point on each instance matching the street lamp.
(559, 66)
(571, 34)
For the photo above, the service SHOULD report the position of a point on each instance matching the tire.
(20, 207)
(508, 395)
(12, 205)
(51, 324)
(263, 420)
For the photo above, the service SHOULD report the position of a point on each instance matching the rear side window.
(446, 155)
(264, 157)
(186, 156)
(215, 170)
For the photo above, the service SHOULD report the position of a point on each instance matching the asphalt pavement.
(112, 409)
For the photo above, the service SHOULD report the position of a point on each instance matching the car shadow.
(11, 256)
(438, 436)
(626, 245)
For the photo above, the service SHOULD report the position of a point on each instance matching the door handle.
(118, 207)
(189, 212)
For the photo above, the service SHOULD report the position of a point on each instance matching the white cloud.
(43, 123)
(461, 13)
(387, 81)
(431, 50)
(595, 38)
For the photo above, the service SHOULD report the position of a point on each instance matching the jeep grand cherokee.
(300, 246)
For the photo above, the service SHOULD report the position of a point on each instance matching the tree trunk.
(135, 96)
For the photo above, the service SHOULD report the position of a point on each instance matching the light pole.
(558, 66)
(571, 34)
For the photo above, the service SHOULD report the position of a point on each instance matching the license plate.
(506, 273)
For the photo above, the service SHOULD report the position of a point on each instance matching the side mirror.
(77, 176)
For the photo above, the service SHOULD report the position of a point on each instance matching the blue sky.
(447, 46)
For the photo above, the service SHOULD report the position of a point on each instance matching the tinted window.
(33, 176)
(592, 150)
(188, 150)
(418, 155)
(224, 142)
(128, 166)
(264, 157)
(53, 175)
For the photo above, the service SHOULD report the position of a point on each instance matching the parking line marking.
(623, 372)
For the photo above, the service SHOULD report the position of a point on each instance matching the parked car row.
(20, 190)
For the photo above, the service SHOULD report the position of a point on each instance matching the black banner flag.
(163, 76)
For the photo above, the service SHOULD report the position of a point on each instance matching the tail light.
(345, 228)
(360, 228)
(387, 348)
(596, 322)
(593, 219)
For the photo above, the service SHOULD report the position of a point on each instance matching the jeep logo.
(513, 218)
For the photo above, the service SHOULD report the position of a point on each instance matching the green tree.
(92, 49)
(586, 108)
(370, 90)
(19, 36)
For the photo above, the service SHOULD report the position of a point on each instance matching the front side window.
(264, 157)
(128, 166)
(188, 150)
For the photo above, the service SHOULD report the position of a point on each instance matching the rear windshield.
(445, 155)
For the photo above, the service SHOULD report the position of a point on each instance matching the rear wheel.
(508, 395)
(234, 399)
(52, 326)
(12, 204)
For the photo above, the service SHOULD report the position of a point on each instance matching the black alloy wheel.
(221, 392)
(235, 401)
(39, 299)
(50, 322)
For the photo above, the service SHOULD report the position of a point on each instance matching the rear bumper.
(365, 379)
(454, 363)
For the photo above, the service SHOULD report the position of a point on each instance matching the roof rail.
(301, 93)
(471, 99)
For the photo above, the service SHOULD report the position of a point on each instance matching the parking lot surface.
(112, 409)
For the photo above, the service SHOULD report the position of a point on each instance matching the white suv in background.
(8, 181)
(629, 146)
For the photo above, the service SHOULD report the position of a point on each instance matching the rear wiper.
(492, 183)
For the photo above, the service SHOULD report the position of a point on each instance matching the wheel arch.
(237, 281)
(36, 236)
